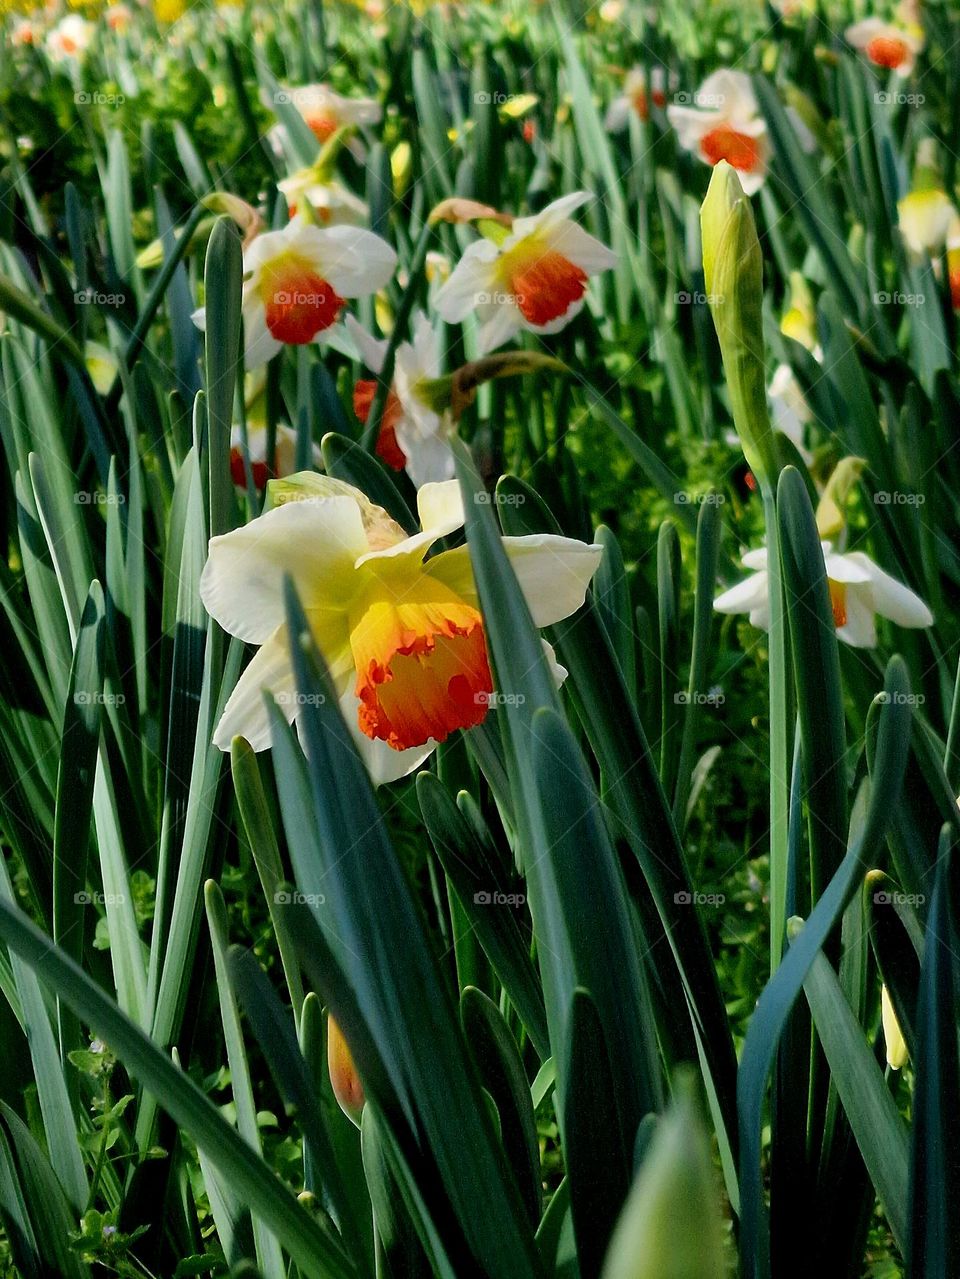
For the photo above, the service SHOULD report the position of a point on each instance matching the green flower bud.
(733, 273)
(670, 1226)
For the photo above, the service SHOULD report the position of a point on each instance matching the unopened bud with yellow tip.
(344, 1079)
(897, 1055)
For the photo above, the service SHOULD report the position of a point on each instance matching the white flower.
(325, 111)
(859, 591)
(413, 435)
(925, 218)
(402, 636)
(535, 278)
(23, 31)
(725, 124)
(887, 45)
(635, 98)
(284, 458)
(70, 38)
(789, 410)
(332, 203)
(296, 280)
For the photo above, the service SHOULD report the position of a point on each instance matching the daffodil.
(413, 435)
(925, 218)
(23, 31)
(402, 636)
(329, 201)
(531, 275)
(886, 44)
(284, 457)
(636, 98)
(118, 17)
(860, 591)
(325, 111)
(70, 38)
(296, 281)
(724, 123)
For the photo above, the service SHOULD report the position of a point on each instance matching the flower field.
(480, 708)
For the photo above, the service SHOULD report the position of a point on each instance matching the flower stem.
(779, 744)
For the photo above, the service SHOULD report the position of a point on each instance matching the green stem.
(385, 377)
(779, 746)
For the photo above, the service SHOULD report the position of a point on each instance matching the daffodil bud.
(670, 1223)
(733, 274)
(830, 517)
(897, 1055)
(344, 1079)
(800, 319)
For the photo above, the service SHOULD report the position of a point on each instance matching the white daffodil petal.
(245, 714)
(890, 598)
(355, 261)
(501, 322)
(745, 596)
(316, 541)
(859, 630)
(471, 278)
(440, 508)
(581, 248)
(553, 573)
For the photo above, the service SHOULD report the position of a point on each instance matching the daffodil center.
(299, 303)
(421, 659)
(540, 281)
(887, 51)
(838, 602)
(726, 143)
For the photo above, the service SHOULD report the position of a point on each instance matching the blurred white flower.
(724, 123)
(887, 45)
(859, 591)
